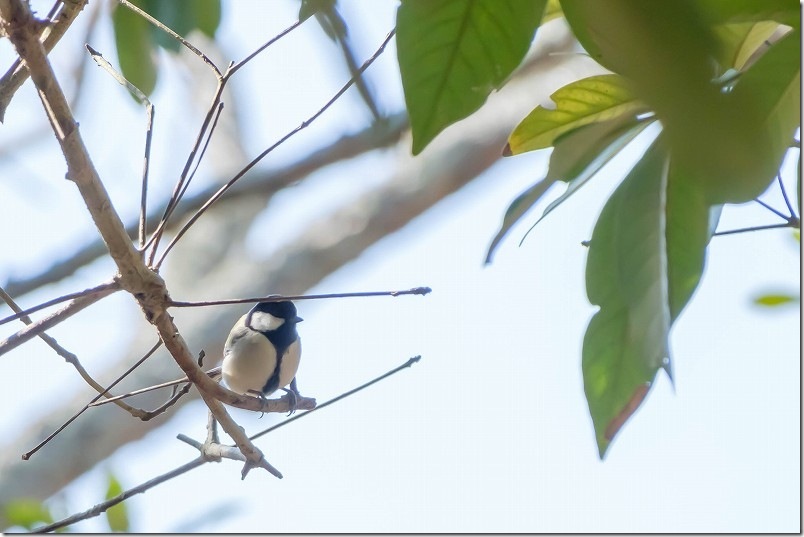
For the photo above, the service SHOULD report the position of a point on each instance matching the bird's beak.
(297, 319)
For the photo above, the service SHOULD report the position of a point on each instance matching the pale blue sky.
(490, 431)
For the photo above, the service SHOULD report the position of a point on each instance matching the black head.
(269, 317)
(284, 310)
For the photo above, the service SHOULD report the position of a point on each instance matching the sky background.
(490, 431)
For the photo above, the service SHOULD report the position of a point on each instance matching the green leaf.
(28, 513)
(664, 49)
(453, 53)
(775, 299)
(718, 11)
(117, 515)
(772, 87)
(134, 50)
(739, 42)
(690, 224)
(626, 275)
(581, 153)
(586, 101)
(182, 17)
(522, 204)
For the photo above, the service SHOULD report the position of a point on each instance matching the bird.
(262, 352)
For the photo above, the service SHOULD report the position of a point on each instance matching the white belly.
(254, 363)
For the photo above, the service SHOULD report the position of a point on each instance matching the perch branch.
(200, 461)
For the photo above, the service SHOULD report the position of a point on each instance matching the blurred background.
(489, 432)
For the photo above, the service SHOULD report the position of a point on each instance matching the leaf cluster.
(721, 77)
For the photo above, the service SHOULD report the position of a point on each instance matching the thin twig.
(215, 371)
(68, 356)
(216, 117)
(200, 461)
(771, 209)
(149, 130)
(236, 66)
(407, 364)
(17, 74)
(784, 195)
(108, 286)
(262, 155)
(64, 425)
(34, 329)
(149, 116)
(183, 182)
(264, 185)
(172, 34)
(279, 298)
(104, 506)
(179, 188)
(795, 224)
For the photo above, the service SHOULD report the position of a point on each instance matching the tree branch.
(17, 74)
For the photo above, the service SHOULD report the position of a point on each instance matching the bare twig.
(34, 329)
(104, 506)
(278, 298)
(262, 155)
(407, 364)
(771, 209)
(784, 195)
(108, 286)
(236, 66)
(149, 116)
(200, 461)
(69, 357)
(134, 276)
(793, 224)
(17, 74)
(212, 373)
(52, 435)
(344, 148)
(173, 34)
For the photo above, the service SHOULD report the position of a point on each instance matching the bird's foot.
(261, 396)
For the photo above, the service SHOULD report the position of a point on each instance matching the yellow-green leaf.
(775, 299)
(586, 101)
(117, 515)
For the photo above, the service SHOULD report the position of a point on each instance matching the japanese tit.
(263, 349)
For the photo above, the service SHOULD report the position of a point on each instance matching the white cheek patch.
(264, 322)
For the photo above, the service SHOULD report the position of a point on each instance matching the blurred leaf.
(775, 299)
(626, 275)
(453, 53)
(577, 156)
(552, 11)
(117, 515)
(28, 513)
(739, 41)
(719, 11)
(517, 210)
(182, 17)
(690, 224)
(773, 86)
(590, 100)
(665, 50)
(135, 37)
(580, 154)
(326, 15)
(798, 183)
(134, 50)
